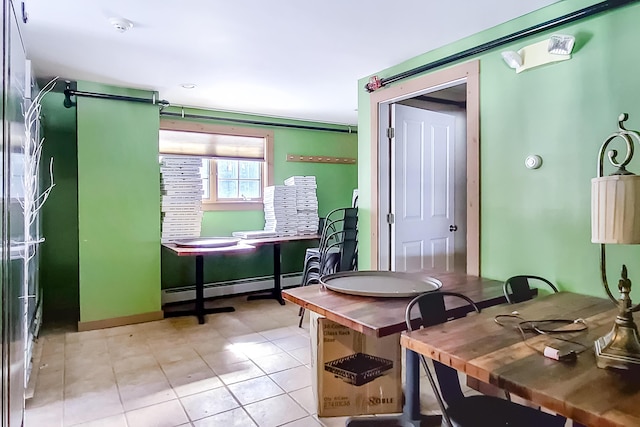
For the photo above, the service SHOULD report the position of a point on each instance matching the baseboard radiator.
(229, 287)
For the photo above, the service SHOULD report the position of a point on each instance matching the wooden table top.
(193, 251)
(273, 240)
(385, 316)
(479, 347)
(244, 245)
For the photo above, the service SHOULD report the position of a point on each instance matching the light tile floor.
(246, 368)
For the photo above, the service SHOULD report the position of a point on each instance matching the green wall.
(335, 186)
(107, 187)
(118, 205)
(59, 252)
(538, 221)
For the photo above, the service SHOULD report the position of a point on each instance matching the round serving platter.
(380, 283)
(207, 242)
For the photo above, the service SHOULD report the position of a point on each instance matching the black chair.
(338, 249)
(517, 288)
(338, 246)
(457, 409)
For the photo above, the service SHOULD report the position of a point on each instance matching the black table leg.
(411, 416)
(200, 310)
(276, 292)
(200, 288)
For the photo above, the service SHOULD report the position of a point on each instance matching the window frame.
(212, 204)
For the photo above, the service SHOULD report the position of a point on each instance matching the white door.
(422, 184)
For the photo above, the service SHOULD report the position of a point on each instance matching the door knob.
(453, 228)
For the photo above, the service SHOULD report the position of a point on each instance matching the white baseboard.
(230, 287)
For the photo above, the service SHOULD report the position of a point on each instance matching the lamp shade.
(615, 209)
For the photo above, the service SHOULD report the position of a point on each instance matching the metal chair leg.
(301, 317)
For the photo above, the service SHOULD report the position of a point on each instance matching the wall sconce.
(615, 218)
(557, 48)
(512, 58)
(560, 44)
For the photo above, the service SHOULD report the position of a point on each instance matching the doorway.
(456, 94)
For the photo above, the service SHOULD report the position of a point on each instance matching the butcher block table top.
(479, 347)
(379, 316)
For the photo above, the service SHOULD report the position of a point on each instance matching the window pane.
(227, 169)
(249, 189)
(204, 174)
(249, 170)
(227, 189)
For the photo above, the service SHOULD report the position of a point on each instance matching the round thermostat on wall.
(533, 161)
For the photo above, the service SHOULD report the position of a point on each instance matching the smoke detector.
(121, 25)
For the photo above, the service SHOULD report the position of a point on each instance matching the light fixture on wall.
(512, 58)
(557, 48)
(561, 44)
(615, 219)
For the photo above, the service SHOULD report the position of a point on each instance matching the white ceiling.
(287, 58)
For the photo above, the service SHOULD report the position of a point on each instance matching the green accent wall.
(538, 221)
(118, 205)
(58, 271)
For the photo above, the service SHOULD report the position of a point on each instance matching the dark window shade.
(212, 145)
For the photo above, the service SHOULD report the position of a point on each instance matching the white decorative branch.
(33, 199)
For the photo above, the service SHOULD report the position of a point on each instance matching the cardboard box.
(352, 373)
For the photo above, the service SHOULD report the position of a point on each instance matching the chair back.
(338, 246)
(340, 234)
(432, 309)
(347, 215)
(518, 289)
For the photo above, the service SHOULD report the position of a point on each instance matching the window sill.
(233, 206)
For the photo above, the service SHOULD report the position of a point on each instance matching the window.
(231, 180)
(236, 162)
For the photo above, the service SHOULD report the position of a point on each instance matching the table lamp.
(615, 219)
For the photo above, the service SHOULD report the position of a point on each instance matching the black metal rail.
(68, 103)
(552, 23)
(69, 92)
(349, 129)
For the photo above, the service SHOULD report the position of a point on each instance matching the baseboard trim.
(120, 321)
(229, 288)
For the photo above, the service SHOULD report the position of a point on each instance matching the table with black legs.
(245, 245)
(199, 253)
(276, 292)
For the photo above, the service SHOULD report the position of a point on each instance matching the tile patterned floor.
(246, 368)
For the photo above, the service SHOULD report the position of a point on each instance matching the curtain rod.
(553, 23)
(257, 122)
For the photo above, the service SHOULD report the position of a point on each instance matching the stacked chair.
(338, 249)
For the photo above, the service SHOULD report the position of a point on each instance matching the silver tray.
(380, 283)
(207, 242)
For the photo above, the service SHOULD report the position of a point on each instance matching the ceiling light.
(560, 44)
(188, 85)
(120, 24)
(512, 58)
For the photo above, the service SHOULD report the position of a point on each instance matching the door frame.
(468, 72)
